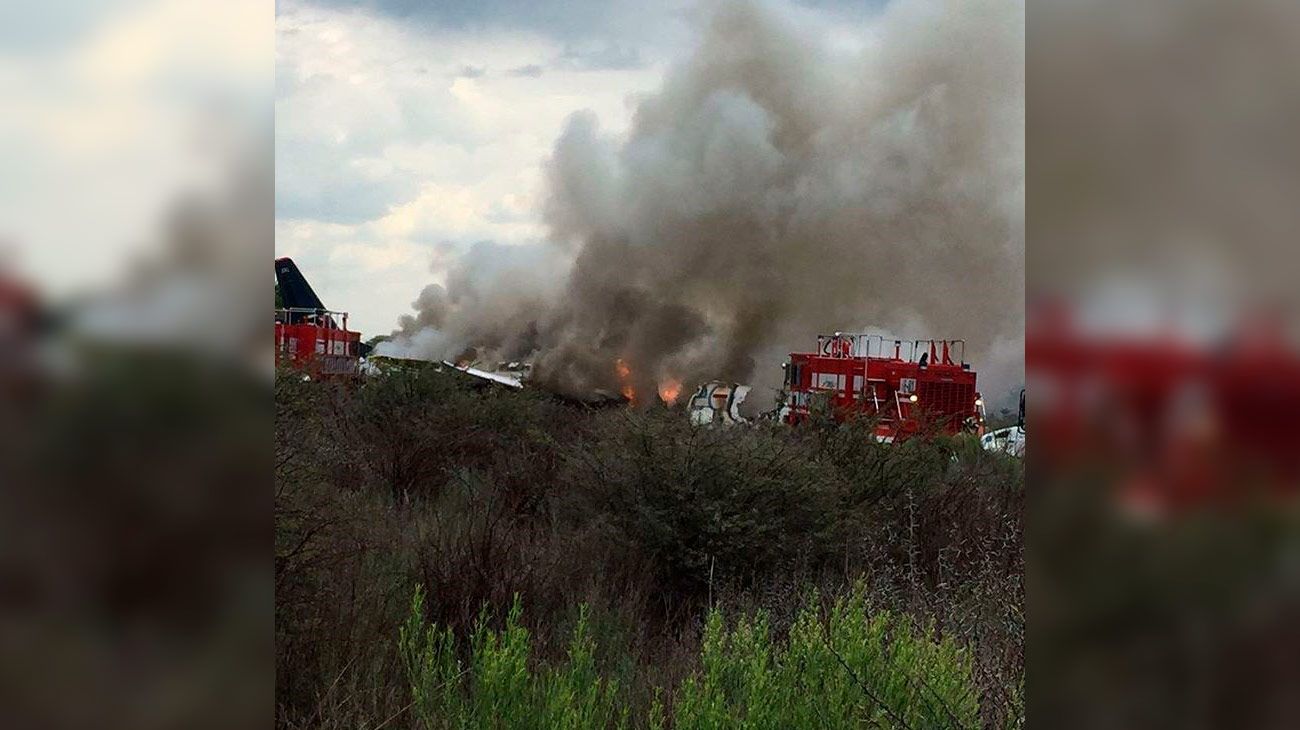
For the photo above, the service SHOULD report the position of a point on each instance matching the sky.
(407, 132)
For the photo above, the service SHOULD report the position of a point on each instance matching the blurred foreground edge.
(135, 583)
(1162, 583)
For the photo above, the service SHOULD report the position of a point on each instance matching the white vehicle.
(1009, 440)
(717, 402)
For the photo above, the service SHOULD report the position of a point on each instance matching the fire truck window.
(829, 381)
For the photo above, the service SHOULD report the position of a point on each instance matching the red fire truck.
(308, 336)
(905, 386)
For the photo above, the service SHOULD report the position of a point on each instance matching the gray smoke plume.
(779, 185)
(489, 306)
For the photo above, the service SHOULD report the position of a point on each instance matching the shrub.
(853, 669)
(497, 687)
(618, 530)
(701, 504)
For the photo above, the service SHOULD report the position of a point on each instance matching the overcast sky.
(408, 131)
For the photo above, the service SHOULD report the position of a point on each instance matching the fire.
(624, 373)
(669, 390)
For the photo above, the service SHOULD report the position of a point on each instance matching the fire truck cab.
(905, 386)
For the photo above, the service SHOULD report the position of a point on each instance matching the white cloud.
(388, 152)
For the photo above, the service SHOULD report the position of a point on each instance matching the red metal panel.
(318, 349)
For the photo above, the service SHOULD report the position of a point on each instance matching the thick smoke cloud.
(786, 180)
(489, 306)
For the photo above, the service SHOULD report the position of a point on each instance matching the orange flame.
(669, 390)
(624, 372)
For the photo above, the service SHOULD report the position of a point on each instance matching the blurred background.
(1163, 374)
(135, 426)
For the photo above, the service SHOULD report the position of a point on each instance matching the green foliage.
(415, 426)
(498, 689)
(699, 501)
(852, 669)
(576, 694)
(429, 658)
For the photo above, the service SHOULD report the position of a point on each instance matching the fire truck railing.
(846, 345)
(850, 345)
(318, 317)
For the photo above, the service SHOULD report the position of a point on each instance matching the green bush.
(698, 502)
(497, 689)
(852, 669)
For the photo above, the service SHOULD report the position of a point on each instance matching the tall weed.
(850, 668)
